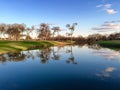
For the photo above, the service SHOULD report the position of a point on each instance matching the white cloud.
(108, 26)
(111, 11)
(100, 5)
(108, 8)
(107, 5)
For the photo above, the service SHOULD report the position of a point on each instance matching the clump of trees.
(44, 32)
(12, 31)
(114, 36)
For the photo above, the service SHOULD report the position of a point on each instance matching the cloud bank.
(108, 26)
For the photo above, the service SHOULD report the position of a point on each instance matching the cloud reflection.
(107, 72)
(107, 53)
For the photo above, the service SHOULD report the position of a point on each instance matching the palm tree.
(71, 28)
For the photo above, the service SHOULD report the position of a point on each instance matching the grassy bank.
(113, 44)
(15, 46)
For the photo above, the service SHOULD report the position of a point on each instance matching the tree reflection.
(29, 54)
(94, 46)
(71, 58)
(12, 57)
(44, 55)
(3, 58)
(56, 55)
(16, 56)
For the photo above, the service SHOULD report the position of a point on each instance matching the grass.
(60, 43)
(15, 46)
(113, 44)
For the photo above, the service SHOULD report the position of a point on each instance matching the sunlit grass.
(13, 46)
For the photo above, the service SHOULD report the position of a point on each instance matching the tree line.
(45, 32)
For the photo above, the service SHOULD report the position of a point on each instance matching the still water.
(61, 68)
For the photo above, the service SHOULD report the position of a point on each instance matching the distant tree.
(28, 32)
(114, 36)
(44, 31)
(71, 28)
(94, 37)
(14, 31)
(56, 29)
(3, 28)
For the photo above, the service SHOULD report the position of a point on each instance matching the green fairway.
(15, 46)
(113, 44)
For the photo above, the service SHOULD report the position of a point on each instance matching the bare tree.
(2, 30)
(28, 32)
(44, 31)
(71, 28)
(55, 29)
(14, 31)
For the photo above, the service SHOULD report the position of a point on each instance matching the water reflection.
(61, 68)
(71, 58)
(94, 46)
(56, 53)
(3, 58)
(106, 72)
(16, 56)
(30, 54)
(107, 53)
(53, 53)
(12, 57)
(44, 55)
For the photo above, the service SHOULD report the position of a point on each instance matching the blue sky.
(87, 13)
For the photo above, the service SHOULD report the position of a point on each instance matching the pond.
(61, 68)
